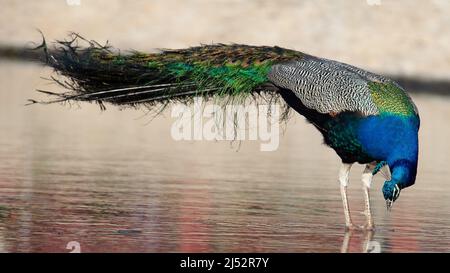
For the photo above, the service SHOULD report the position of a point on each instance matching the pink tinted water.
(113, 182)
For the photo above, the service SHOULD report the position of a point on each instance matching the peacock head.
(403, 175)
(391, 192)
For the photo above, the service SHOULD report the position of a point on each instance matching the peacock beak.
(389, 204)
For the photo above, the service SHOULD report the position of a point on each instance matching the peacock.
(364, 117)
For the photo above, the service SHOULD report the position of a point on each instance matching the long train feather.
(226, 73)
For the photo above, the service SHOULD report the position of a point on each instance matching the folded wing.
(327, 86)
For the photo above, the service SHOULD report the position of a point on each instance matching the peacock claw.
(351, 227)
(368, 227)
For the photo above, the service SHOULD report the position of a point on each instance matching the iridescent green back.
(390, 98)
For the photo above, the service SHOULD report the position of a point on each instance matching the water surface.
(113, 182)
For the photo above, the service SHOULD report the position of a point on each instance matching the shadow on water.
(423, 86)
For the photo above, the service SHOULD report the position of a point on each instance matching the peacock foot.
(351, 226)
(368, 227)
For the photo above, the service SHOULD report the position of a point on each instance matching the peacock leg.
(367, 181)
(346, 242)
(343, 179)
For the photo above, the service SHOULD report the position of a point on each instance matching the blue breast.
(389, 137)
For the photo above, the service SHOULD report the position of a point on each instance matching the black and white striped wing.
(327, 86)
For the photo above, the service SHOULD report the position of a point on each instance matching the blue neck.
(403, 172)
(394, 139)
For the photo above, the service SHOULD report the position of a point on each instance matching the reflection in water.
(367, 244)
(112, 182)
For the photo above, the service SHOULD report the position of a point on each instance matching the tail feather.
(102, 74)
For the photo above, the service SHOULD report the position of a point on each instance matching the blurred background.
(114, 181)
(396, 37)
